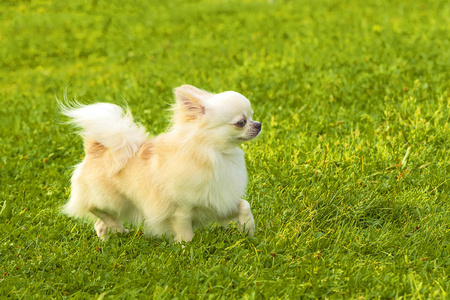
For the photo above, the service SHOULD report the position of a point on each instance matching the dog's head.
(226, 118)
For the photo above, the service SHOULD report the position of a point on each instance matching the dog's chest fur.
(217, 190)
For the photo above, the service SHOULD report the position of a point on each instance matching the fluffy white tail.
(106, 124)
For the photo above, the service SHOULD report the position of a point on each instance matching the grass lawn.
(349, 181)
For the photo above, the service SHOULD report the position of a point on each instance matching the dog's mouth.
(242, 139)
(251, 134)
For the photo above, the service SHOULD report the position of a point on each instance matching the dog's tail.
(107, 129)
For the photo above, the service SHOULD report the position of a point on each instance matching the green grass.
(343, 89)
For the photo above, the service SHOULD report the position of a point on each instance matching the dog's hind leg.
(106, 223)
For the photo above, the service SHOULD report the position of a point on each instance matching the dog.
(190, 176)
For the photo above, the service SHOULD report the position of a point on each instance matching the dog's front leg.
(182, 225)
(245, 218)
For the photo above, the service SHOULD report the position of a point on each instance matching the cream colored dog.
(188, 177)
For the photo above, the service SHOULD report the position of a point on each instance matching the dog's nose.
(258, 125)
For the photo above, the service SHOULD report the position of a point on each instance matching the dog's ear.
(190, 102)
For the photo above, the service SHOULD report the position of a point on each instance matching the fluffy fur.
(188, 177)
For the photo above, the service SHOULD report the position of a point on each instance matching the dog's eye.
(241, 123)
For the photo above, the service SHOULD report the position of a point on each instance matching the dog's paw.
(101, 229)
(248, 227)
(246, 223)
